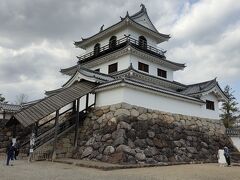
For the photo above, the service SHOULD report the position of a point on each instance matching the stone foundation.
(6, 134)
(123, 133)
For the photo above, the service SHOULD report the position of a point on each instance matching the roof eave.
(223, 96)
(109, 84)
(126, 21)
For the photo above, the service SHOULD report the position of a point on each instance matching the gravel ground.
(56, 171)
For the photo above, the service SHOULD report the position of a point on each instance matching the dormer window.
(112, 68)
(210, 105)
(112, 42)
(142, 42)
(143, 67)
(96, 49)
(162, 73)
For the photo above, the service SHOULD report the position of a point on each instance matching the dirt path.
(56, 171)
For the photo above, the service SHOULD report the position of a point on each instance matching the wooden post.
(95, 97)
(4, 115)
(77, 124)
(14, 132)
(36, 129)
(55, 135)
(87, 97)
(74, 106)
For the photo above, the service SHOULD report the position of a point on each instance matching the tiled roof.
(199, 87)
(69, 71)
(10, 107)
(99, 77)
(46, 106)
(131, 19)
(152, 87)
(141, 13)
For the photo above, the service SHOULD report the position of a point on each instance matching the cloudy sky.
(36, 39)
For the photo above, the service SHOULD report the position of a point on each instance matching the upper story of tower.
(135, 26)
(132, 41)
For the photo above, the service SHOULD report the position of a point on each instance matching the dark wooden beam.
(4, 115)
(87, 99)
(14, 130)
(95, 97)
(77, 123)
(36, 129)
(55, 135)
(74, 106)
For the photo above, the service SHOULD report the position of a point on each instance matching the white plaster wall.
(152, 101)
(236, 142)
(82, 103)
(1, 116)
(7, 116)
(152, 67)
(113, 96)
(211, 97)
(123, 63)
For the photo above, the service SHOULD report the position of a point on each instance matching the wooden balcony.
(118, 44)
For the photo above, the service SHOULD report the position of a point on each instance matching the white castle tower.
(128, 66)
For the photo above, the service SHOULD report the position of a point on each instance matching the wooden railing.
(46, 130)
(118, 44)
(233, 132)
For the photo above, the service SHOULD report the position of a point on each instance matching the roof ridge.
(204, 82)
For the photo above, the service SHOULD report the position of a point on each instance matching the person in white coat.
(221, 158)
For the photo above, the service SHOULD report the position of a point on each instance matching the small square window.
(143, 67)
(162, 73)
(210, 105)
(112, 68)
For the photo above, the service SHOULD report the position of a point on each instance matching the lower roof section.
(140, 84)
(47, 106)
(9, 107)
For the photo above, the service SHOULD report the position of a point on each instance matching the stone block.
(140, 143)
(123, 125)
(134, 113)
(121, 112)
(151, 134)
(119, 141)
(106, 137)
(87, 152)
(99, 113)
(143, 117)
(140, 156)
(109, 150)
(126, 106)
(150, 151)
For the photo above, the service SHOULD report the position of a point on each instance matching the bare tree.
(2, 99)
(21, 98)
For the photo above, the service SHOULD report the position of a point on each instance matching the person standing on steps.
(227, 155)
(10, 153)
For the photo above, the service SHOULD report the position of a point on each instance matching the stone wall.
(6, 134)
(123, 133)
